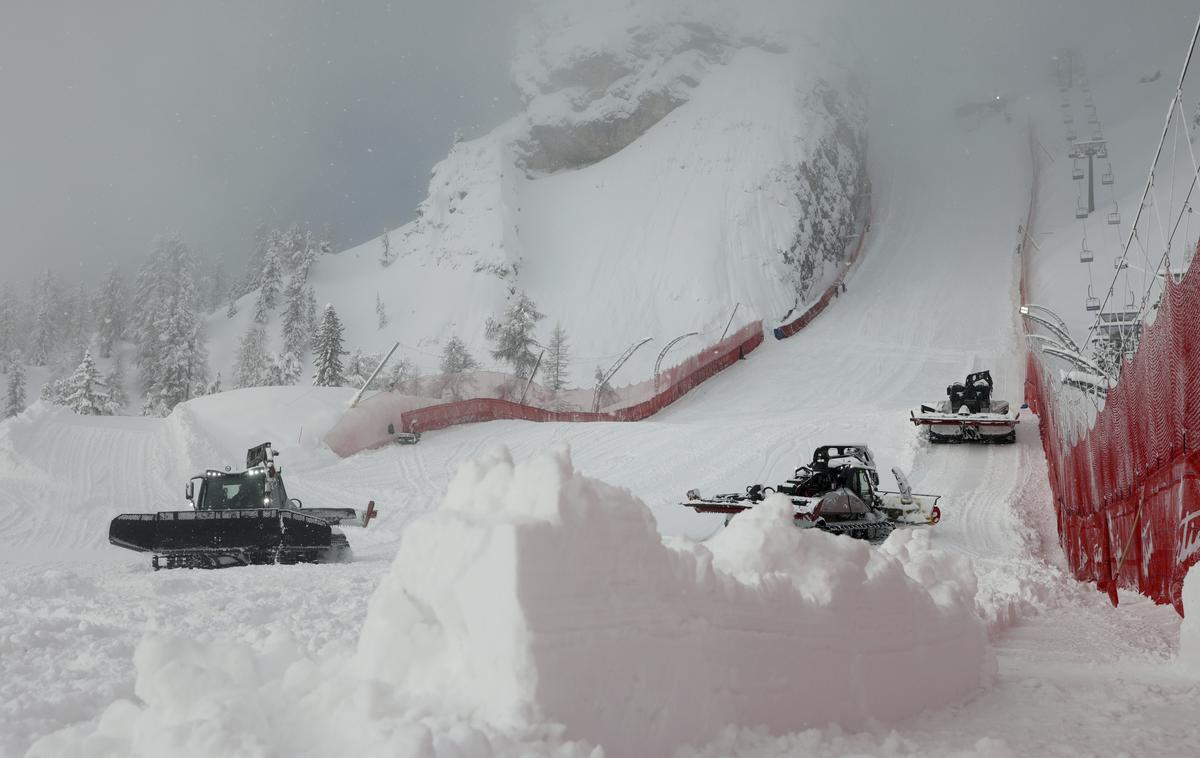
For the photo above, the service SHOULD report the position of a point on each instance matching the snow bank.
(537, 597)
(538, 593)
(1189, 628)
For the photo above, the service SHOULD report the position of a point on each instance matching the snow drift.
(536, 595)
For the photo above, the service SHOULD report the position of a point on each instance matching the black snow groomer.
(838, 492)
(969, 414)
(239, 519)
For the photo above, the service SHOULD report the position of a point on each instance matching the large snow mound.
(538, 596)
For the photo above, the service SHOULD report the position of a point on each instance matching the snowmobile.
(969, 414)
(838, 492)
(239, 519)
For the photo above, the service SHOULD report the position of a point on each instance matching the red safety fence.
(367, 425)
(783, 331)
(1127, 493)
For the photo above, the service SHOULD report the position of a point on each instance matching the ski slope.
(933, 298)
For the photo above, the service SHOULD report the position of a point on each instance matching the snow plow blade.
(215, 539)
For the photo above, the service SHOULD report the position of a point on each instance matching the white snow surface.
(664, 237)
(388, 655)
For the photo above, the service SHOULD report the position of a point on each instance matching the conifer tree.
(84, 391)
(558, 359)
(513, 337)
(14, 399)
(456, 361)
(43, 341)
(111, 312)
(269, 286)
(8, 326)
(115, 384)
(608, 395)
(385, 257)
(253, 364)
(297, 317)
(328, 351)
(380, 312)
(171, 352)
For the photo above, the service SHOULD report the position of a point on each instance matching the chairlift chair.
(1120, 263)
(1081, 211)
(1071, 135)
(1068, 119)
(1085, 253)
(1114, 217)
(1092, 303)
(1077, 171)
(1106, 177)
(1092, 118)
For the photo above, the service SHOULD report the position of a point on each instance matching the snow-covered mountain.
(645, 189)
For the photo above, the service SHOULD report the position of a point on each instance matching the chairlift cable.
(1175, 99)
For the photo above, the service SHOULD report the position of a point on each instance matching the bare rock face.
(613, 96)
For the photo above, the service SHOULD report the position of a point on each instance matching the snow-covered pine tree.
(44, 339)
(253, 363)
(78, 317)
(171, 353)
(456, 361)
(231, 310)
(328, 350)
(8, 327)
(111, 312)
(380, 312)
(385, 257)
(513, 336)
(85, 392)
(254, 263)
(288, 369)
(297, 326)
(269, 286)
(608, 395)
(14, 399)
(114, 382)
(558, 358)
(215, 387)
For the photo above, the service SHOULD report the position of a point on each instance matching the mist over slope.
(645, 189)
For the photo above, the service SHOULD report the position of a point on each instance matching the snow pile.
(536, 593)
(536, 597)
(1189, 628)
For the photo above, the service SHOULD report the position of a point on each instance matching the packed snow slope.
(103, 656)
(642, 178)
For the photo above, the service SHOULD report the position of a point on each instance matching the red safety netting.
(1127, 493)
(367, 425)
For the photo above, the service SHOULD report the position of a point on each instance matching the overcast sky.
(121, 120)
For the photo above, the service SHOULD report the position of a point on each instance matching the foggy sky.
(122, 120)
